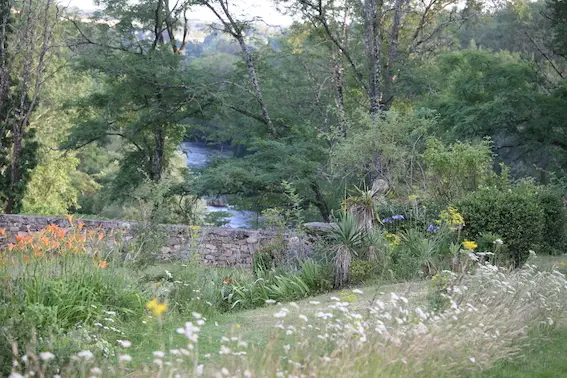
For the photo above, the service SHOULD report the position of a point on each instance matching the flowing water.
(197, 156)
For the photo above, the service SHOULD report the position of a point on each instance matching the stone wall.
(225, 247)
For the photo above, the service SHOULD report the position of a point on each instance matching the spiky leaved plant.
(346, 238)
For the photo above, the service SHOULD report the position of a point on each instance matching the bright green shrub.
(513, 213)
(360, 271)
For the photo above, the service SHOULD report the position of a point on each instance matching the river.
(197, 156)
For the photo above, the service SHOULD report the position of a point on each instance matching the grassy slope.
(543, 359)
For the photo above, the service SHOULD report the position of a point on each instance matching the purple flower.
(387, 220)
(432, 228)
(398, 217)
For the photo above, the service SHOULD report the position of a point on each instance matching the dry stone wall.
(223, 247)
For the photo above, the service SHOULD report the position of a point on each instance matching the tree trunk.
(320, 202)
(393, 55)
(372, 38)
(159, 151)
(255, 83)
(338, 74)
(14, 168)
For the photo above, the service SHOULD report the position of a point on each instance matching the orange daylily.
(69, 218)
(2, 231)
(26, 259)
(80, 226)
(11, 246)
(103, 264)
(53, 228)
(100, 235)
(61, 233)
(44, 241)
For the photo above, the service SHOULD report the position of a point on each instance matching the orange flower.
(28, 239)
(19, 238)
(91, 233)
(103, 264)
(44, 241)
(11, 246)
(80, 225)
(100, 236)
(53, 228)
(26, 259)
(227, 281)
(54, 244)
(61, 233)
(69, 218)
(2, 231)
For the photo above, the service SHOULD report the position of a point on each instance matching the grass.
(545, 358)
(347, 332)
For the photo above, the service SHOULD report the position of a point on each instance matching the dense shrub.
(554, 218)
(513, 213)
(360, 271)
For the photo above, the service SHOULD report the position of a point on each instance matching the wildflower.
(69, 218)
(199, 369)
(357, 291)
(227, 281)
(80, 226)
(398, 217)
(432, 228)
(125, 358)
(156, 307)
(470, 245)
(190, 331)
(412, 197)
(394, 239)
(124, 343)
(303, 317)
(168, 274)
(100, 236)
(472, 359)
(225, 371)
(19, 238)
(387, 220)
(563, 263)
(11, 246)
(280, 314)
(224, 350)
(86, 354)
(159, 354)
(196, 315)
(96, 371)
(2, 231)
(103, 264)
(314, 302)
(46, 356)
(498, 242)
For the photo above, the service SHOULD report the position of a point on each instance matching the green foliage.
(360, 271)
(346, 237)
(457, 169)
(513, 213)
(554, 221)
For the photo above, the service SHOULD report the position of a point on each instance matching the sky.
(247, 8)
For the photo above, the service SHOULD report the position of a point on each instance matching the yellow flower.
(156, 307)
(563, 263)
(394, 239)
(412, 197)
(470, 245)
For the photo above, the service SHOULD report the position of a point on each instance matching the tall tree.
(26, 36)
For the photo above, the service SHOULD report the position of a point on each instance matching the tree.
(26, 36)
(148, 88)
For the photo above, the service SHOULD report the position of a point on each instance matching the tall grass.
(488, 315)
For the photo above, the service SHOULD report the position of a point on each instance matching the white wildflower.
(159, 354)
(270, 301)
(86, 354)
(46, 356)
(303, 317)
(158, 362)
(472, 359)
(110, 312)
(196, 315)
(168, 274)
(225, 371)
(224, 350)
(280, 314)
(125, 358)
(110, 320)
(357, 291)
(314, 302)
(335, 299)
(124, 343)
(96, 371)
(199, 369)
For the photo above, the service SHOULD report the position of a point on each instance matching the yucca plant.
(346, 237)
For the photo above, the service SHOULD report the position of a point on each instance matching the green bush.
(554, 219)
(360, 271)
(513, 213)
